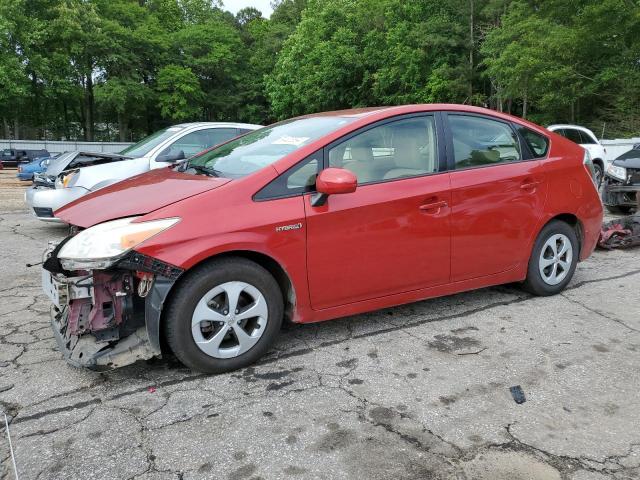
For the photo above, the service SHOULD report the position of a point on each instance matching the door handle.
(529, 185)
(433, 207)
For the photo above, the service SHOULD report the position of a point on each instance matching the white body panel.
(92, 178)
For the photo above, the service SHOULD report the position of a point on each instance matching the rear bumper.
(42, 200)
(25, 176)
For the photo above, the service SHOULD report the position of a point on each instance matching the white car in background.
(76, 174)
(586, 139)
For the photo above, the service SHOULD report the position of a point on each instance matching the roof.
(567, 125)
(217, 125)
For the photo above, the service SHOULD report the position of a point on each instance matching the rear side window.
(586, 138)
(538, 144)
(571, 134)
(479, 141)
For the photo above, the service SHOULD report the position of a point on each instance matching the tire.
(599, 172)
(213, 346)
(545, 260)
(619, 209)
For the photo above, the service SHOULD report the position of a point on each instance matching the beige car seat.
(411, 158)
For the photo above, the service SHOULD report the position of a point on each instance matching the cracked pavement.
(419, 391)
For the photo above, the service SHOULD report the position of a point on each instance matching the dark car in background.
(12, 157)
(622, 182)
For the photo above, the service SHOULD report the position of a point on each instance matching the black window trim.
(451, 161)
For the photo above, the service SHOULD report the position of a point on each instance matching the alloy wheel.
(229, 319)
(555, 259)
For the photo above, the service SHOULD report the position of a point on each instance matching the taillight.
(589, 165)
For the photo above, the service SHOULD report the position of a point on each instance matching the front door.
(497, 197)
(392, 234)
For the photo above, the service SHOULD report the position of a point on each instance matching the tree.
(179, 93)
(370, 52)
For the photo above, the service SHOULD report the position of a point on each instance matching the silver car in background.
(75, 174)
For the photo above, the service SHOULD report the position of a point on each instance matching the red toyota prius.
(315, 218)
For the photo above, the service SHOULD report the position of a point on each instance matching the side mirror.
(333, 181)
(171, 157)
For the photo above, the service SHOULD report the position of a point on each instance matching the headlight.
(103, 245)
(63, 180)
(617, 172)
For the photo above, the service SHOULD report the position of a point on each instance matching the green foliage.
(84, 68)
(179, 93)
(370, 52)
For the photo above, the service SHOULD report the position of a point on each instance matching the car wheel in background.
(224, 315)
(553, 259)
(599, 174)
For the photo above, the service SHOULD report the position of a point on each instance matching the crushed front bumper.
(105, 319)
(616, 193)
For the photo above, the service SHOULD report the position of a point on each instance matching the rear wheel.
(553, 260)
(224, 315)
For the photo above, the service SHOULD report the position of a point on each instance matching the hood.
(628, 162)
(69, 160)
(136, 196)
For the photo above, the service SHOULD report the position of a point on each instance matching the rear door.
(497, 196)
(392, 234)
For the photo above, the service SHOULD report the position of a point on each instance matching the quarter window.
(480, 141)
(538, 144)
(400, 149)
(299, 179)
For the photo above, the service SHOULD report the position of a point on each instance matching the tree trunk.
(65, 127)
(89, 108)
(573, 112)
(524, 101)
(7, 130)
(81, 115)
(16, 129)
(122, 127)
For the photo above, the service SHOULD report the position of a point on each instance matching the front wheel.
(553, 260)
(224, 315)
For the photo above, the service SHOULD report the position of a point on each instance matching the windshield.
(251, 152)
(633, 153)
(147, 144)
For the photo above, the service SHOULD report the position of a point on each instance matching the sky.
(234, 5)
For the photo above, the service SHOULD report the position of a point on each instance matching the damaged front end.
(105, 318)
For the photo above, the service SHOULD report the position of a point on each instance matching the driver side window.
(480, 141)
(398, 149)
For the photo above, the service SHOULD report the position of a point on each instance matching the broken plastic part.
(518, 394)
